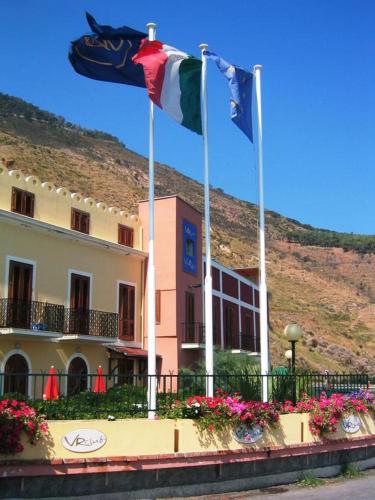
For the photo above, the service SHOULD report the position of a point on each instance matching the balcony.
(91, 322)
(192, 335)
(31, 315)
(241, 342)
(42, 317)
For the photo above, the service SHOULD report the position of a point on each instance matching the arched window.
(16, 375)
(77, 376)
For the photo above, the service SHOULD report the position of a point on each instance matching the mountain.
(322, 279)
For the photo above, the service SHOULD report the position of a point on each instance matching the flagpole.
(264, 354)
(208, 277)
(151, 347)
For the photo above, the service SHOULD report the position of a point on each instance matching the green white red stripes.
(173, 80)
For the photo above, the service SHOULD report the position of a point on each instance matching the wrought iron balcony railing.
(241, 341)
(91, 322)
(31, 315)
(192, 333)
(45, 317)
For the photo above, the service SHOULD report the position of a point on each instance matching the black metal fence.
(126, 394)
(43, 316)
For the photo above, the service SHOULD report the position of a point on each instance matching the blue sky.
(318, 89)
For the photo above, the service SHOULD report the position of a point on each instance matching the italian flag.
(173, 80)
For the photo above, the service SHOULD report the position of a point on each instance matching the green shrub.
(233, 373)
(121, 401)
(310, 480)
(351, 470)
(324, 238)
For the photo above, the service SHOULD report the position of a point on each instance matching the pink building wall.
(171, 279)
(235, 298)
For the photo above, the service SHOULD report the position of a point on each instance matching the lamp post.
(293, 334)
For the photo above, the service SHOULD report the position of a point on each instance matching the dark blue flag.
(240, 88)
(106, 54)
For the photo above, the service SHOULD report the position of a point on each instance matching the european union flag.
(240, 87)
(107, 53)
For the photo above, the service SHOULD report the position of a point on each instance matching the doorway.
(16, 372)
(19, 294)
(79, 317)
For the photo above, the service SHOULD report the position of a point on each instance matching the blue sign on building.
(190, 247)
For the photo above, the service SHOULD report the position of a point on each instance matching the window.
(216, 320)
(20, 281)
(257, 332)
(125, 371)
(157, 307)
(23, 202)
(189, 307)
(189, 317)
(228, 324)
(80, 221)
(126, 311)
(256, 296)
(230, 318)
(230, 285)
(190, 248)
(125, 235)
(248, 337)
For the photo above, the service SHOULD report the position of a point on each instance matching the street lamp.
(288, 354)
(293, 333)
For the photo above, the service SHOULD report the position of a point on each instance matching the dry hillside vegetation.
(329, 291)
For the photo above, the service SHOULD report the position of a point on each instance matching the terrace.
(43, 318)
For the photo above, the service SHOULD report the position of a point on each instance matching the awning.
(130, 352)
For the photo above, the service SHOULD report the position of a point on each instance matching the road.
(362, 488)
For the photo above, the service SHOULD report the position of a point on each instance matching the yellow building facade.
(72, 274)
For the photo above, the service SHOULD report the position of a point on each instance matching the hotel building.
(73, 281)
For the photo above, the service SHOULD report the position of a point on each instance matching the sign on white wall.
(247, 435)
(84, 440)
(351, 424)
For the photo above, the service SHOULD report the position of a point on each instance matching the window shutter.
(73, 219)
(132, 310)
(131, 237)
(22, 202)
(86, 223)
(126, 311)
(32, 206)
(157, 306)
(11, 280)
(29, 204)
(80, 221)
(14, 200)
(125, 235)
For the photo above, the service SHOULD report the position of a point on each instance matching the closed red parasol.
(99, 385)
(51, 390)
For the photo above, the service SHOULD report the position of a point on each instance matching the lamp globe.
(293, 332)
(288, 354)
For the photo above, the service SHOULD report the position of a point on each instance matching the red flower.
(17, 417)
